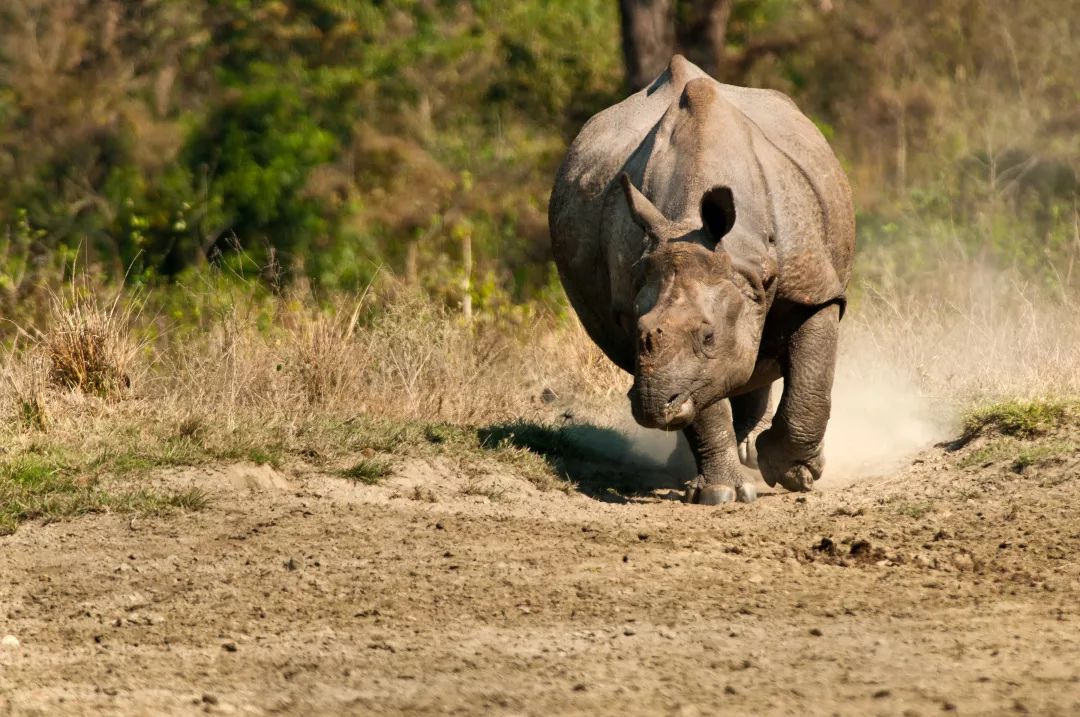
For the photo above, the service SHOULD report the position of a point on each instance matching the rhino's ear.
(718, 212)
(644, 213)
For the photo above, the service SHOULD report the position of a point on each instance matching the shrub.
(89, 345)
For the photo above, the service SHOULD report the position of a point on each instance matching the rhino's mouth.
(674, 413)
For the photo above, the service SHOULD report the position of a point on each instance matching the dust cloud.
(880, 420)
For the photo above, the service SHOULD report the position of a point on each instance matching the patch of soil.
(936, 589)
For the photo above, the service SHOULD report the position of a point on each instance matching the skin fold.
(705, 234)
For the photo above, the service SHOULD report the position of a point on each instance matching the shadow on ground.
(604, 463)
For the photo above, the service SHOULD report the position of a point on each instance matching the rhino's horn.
(644, 212)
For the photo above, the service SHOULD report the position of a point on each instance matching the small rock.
(629, 631)
(881, 694)
(816, 632)
(9, 641)
(548, 396)
(729, 690)
(963, 561)
(209, 699)
(229, 647)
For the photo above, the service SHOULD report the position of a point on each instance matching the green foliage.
(332, 137)
(262, 146)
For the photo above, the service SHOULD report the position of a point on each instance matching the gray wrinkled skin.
(705, 236)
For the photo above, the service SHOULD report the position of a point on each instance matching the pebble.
(9, 641)
(963, 561)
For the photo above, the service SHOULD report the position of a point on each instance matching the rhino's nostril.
(648, 343)
(671, 401)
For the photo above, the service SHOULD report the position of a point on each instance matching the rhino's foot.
(703, 493)
(779, 466)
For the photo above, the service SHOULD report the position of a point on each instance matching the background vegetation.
(331, 137)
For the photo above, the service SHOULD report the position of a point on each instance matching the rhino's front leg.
(712, 439)
(790, 451)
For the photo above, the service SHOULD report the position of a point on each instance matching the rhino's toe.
(746, 493)
(716, 494)
(798, 479)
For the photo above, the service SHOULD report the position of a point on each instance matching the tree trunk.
(701, 33)
(648, 33)
(466, 281)
(653, 30)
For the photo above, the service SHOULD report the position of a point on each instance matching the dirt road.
(939, 588)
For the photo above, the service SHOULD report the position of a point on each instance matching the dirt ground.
(939, 588)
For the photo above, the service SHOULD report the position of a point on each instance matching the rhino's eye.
(708, 338)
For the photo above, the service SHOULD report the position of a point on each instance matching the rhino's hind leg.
(751, 413)
(790, 451)
(712, 440)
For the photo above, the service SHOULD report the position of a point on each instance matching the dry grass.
(277, 367)
(89, 342)
(973, 336)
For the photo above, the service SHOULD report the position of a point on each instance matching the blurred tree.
(338, 136)
(723, 37)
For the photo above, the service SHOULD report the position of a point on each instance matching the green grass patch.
(369, 471)
(121, 462)
(34, 487)
(263, 455)
(1022, 419)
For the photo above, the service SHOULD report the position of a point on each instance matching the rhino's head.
(699, 311)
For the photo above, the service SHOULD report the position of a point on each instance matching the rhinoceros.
(704, 234)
